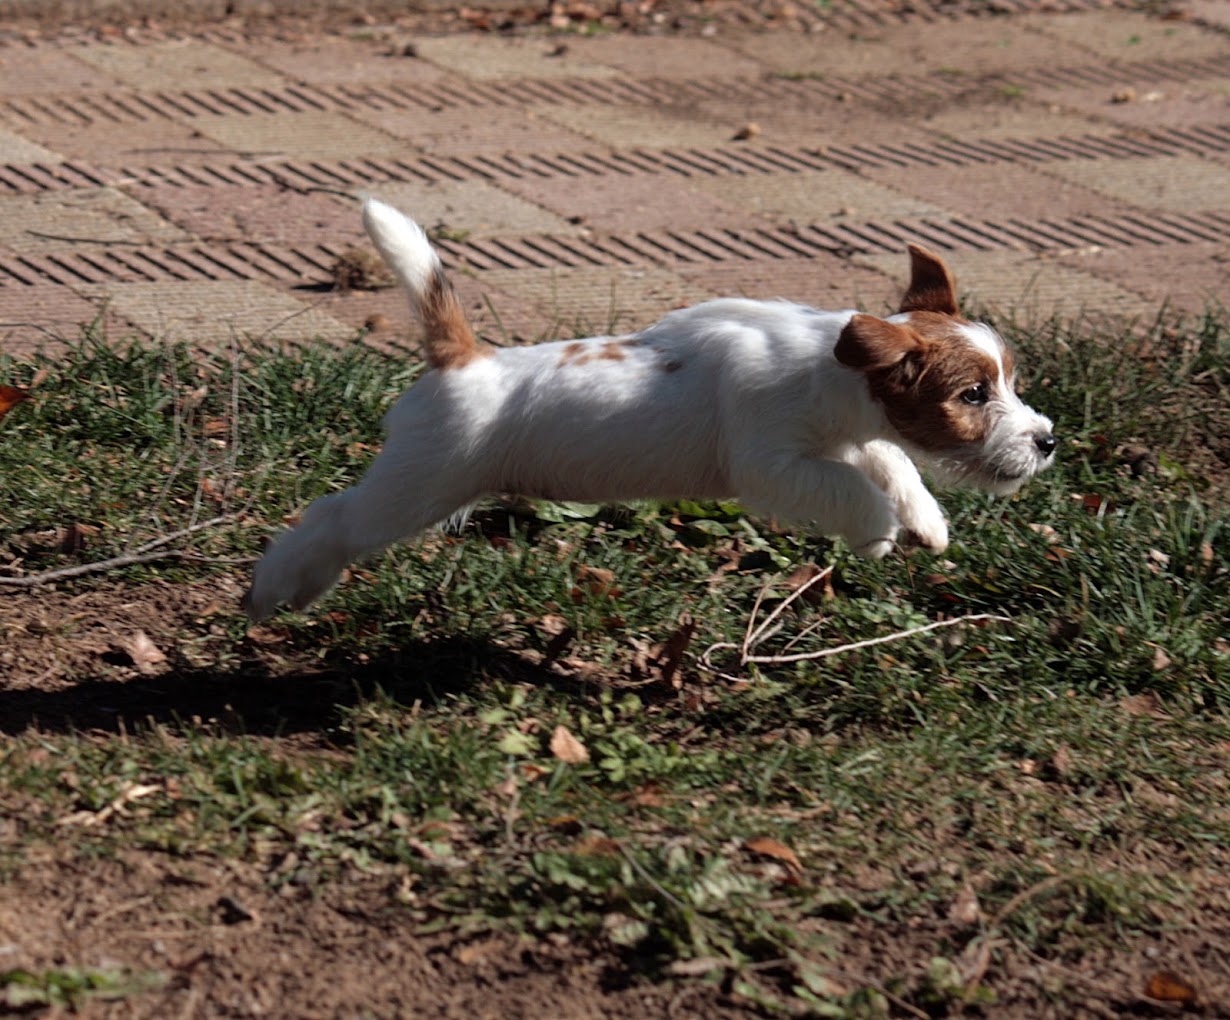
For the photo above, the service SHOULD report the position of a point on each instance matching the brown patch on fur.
(917, 372)
(672, 366)
(574, 354)
(932, 287)
(450, 342)
(578, 353)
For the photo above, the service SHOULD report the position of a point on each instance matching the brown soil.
(252, 937)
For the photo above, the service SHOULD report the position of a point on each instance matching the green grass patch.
(741, 824)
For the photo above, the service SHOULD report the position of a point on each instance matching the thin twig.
(798, 593)
(146, 553)
(758, 632)
(824, 653)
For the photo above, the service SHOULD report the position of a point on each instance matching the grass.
(1067, 769)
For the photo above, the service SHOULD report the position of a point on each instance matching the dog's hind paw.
(876, 549)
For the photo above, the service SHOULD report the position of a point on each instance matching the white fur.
(404, 246)
(728, 398)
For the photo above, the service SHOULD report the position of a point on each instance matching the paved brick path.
(195, 187)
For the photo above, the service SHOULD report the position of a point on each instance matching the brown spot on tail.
(450, 342)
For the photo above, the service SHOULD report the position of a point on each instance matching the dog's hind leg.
(391, 503)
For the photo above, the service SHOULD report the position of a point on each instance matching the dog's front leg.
(888, 466)
(838, 498)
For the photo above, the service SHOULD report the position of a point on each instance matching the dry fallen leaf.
(10, 397)
(567, 748)
(1146, 704)
(808, 575)
(965, 909)
(145, 655)
(595, 582)
(1167, 986)
(767, 846)
(1061, 761)
(597, 846)
(671, 655)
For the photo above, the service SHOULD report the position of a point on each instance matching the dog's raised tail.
(449, 340)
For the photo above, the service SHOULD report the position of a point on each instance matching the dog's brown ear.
(932, 287)
(869, 344)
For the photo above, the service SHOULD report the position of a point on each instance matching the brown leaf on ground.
(595, 582)
(965, 909)
(1167, 986)
(145, 655)
(567, 748)
(767, 846)
(1146, 704)
(10, 397)
(597, 846)
(808, 574)
(671, 656)
(558, 633)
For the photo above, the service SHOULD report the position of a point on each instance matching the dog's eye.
(979, 394)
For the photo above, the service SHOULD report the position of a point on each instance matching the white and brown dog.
(813, 416)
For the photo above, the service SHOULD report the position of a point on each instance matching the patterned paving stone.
(999, 191)
(488, 57)
(472, 209)
(213, 314)
(816, 121)
(1025, 288)
(818, 196)
(592, 301)
(1143, 104)
(822, 282)
(1128, 36)
(1215, 13)
(145, 142)
(50, 318)
(981, 45)
(264, 214)
(532, 156)
(44, 69)
(329, 60)
(619, 203)
(177, 64)
(15, 149)
(1010, 116)
(630, 127)
(498, 317)
(308, 134)
(467, 131)
(1181, 183)
(1191, 279)
(68, 221)
(667, 57)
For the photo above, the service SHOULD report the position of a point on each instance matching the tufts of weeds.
(1067, 765)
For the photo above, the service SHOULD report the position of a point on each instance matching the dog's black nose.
(1046, 444)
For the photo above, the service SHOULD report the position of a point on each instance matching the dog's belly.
(621, 458)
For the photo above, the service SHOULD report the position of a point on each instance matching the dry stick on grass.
(142, 554)
(758, 633)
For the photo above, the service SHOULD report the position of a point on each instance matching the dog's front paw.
(924, 524)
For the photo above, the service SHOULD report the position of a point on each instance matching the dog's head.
(947, 385)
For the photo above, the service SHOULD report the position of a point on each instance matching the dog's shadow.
(255, 700)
